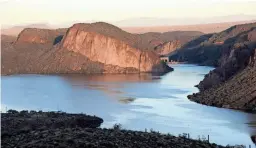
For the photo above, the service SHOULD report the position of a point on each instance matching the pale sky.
(61, 11)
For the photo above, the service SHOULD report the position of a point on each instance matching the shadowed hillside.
(232, 51)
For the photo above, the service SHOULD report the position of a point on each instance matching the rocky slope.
(51, 129)
(167, 47)
(228, 50)
(41, 36)
(83, 48)
(232, 84)
(239, 92)
(209, 49)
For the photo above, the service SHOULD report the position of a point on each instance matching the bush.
(24, 112)
(117, 127)
(11, 111)
(33, 112)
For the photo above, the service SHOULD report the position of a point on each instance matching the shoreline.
(59, 129)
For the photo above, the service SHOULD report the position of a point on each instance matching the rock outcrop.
(84, 48)
(108, 50)
(145, 41)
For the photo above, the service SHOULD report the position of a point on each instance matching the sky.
(62, 11)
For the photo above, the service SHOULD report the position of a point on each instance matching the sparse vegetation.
(59, 129)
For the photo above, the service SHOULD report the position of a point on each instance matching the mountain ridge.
(36, 51)
(232, 83)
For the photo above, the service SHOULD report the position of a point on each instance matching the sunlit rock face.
(108, 50)
(83, 48)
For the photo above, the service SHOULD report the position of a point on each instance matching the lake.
(136, 101)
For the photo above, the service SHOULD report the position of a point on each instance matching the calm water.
(135, 101)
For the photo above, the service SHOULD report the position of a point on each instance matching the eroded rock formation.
(108, 50)
(84, 48)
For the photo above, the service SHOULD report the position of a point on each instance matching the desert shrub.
(33, 112)
(11, 111)
(117, 127)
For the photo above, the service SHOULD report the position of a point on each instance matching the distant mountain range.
(147, 21)
(15, 30)
(143, 25)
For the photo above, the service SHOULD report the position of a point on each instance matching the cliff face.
(82, 49)
(143, 41)
(108, 50)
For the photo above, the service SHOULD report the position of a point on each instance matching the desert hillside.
(82, 48)
(232, 51)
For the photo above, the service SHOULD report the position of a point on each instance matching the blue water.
(135, 101)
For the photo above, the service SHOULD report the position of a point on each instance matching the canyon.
(104, 48)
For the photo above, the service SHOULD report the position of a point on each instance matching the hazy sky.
(61, 11)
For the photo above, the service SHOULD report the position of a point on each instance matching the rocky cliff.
(108, 50)
(84, 48)
(143, 41)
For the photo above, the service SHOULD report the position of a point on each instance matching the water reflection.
(144, 77)
(135, 101)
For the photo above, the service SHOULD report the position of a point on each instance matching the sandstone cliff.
(81, 50)
(108, 50)
(143, 41)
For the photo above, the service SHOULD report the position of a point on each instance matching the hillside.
(239, 92)
(141, 41)
(232, 84)
(83, 48)
(208, 49)
(59, 129)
